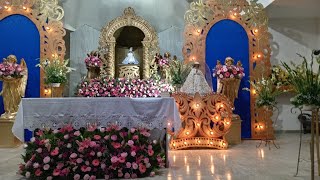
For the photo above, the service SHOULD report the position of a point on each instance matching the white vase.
(308, 107)
(55, 84)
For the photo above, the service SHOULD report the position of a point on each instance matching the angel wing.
(24, 80)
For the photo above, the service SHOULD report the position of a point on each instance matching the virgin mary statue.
(196, 82)
(130, 59)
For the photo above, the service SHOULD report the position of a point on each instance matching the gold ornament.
(205, 121)
(129, 71)
(203, 15)
(13, 89)
(150, 42)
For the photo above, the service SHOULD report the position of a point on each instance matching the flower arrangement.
(305, 82)
(163, 63)
(120, 87)
(11, 70)
(228, 71)
(56, 70)
(179, 71)
(266, 92)
(279, 76)
(91, 153)
(93, 60)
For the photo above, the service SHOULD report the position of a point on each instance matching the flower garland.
(91, 153)
(11, 70)
(120, 87)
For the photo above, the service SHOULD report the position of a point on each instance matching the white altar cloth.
(53, 113)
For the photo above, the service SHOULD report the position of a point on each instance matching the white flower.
(33, 139)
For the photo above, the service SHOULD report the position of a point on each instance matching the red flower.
(96, 162)
(97, 137)
(142, 168)
(38, 172)
(55, 152)
(56, 172)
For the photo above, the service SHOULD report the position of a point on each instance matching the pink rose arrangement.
(11, 70)
(120, 87)
(91, 154)
(93, 60)
(232, 71)
(163, 62)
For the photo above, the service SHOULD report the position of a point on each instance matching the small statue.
(13, 89)
(167, 55)
(229, 61)
(239, 64)
(130, 59)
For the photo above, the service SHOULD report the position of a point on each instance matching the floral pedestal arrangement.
(91, 153)
(229, 78)
(93, 64)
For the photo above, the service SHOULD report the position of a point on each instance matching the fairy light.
(6, 7)
(24, 8)
(185, 143)
(187, 133)
(199, 31)
(227, 123)
(198, 141)
(256, 31)
(211, 132)
(47, 28)
(254, 91)
(198, 124)
(211, 143)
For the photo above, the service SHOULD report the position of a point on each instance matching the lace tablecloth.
(126, 112)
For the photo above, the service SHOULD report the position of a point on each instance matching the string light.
(198, 124)
(256, 31)
(47, 28)
(187, 133)
(211, 132)
(25, 8)
(185, 142)
(6, 7)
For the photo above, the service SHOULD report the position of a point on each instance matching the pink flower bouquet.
(232, 71)
(91, 154)
(163, 62)
(93, 60)
(11, 70)
(120, 87)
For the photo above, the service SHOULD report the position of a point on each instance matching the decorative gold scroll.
(108, 42)
(205, 120)
(204, 14)
(51, 32)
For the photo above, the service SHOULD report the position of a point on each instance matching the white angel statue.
(130, 59)
(196, 82)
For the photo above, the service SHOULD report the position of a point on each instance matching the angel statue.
(130, 59)
(196, 82)
(13, 88)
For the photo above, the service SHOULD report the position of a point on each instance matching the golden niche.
(205, 120)
(122, 33)
(13, 89)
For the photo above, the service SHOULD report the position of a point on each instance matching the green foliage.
(305, 81)
(179, 71)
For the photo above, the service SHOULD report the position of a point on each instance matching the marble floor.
(240, 162)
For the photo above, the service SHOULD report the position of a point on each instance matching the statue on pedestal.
(130, 59)
(13, 88)
(196, 82)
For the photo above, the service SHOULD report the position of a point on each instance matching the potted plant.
(55, 70)
(305, 82)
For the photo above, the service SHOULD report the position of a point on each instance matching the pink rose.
(55, 152)
(97, 137)
(146, 160)
(102, 130)
(121, 159)
(99, 154)
(124, 154)
(76, 177)
(46, 160)
(134, 165)
(39, 150)
(114, 137)
(92, 153)
(95, 162)
(142, 168)
(135, 137)
(49, 178)
(35, 165)
(134, 176)
(93, 144)
(116, 145)
(114, 159)
(103, 165)
(150, 152)
(79, 160)
(28, 174)
(149, 147)
(56, 172)
(130, 143)
(46, 167)
(92, 177)
(66, 136)
(60, 165)
(152, 174)
(38, 172)
(77, 133)
(86, 177)
(73, 155)
(127, 176)
(128, 165)
(132, 130)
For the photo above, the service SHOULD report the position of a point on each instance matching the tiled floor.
(240, 162)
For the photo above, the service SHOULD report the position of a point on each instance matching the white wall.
(291, 36)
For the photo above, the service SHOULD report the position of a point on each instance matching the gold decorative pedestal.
(7, 139)
(129, 71)
(57, 91)
(234, 135)
(229, 87)
(93, 72)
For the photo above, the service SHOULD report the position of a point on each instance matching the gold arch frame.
(108, 42)
(51, 32)
(202, 15)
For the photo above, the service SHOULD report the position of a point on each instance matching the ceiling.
(294, 9)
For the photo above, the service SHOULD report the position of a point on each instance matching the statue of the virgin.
(130, 59)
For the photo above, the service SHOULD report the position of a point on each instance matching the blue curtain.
(228, 38)
(20, 36)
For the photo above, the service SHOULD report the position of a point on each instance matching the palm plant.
(179, 71)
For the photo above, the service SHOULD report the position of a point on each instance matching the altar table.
(54, 113)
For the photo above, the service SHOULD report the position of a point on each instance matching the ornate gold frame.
(108, 42)
(51, 31)
(202, 15)
(205, 120)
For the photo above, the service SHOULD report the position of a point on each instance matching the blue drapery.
(228, 38)
(19, 36)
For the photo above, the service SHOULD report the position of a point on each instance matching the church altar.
(54, 113)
